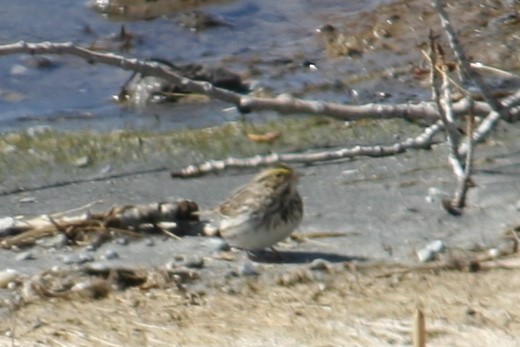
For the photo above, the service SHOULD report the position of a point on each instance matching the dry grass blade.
(322, 234)
(419, 329)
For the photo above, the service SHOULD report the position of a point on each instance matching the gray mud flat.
(386, 209)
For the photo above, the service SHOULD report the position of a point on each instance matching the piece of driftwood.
(178, 218)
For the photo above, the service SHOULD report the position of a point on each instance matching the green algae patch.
(52, 154)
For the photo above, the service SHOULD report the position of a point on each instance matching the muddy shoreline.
(388, 208)
(381, 210)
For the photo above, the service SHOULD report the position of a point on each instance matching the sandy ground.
(342, 307)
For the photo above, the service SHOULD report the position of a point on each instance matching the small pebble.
(435, 194)
(77, 259)
(494, 252)
(91, 248)
(172, 264)
(82, 161)
(69, 259)
(110, 254)
(36, 324)
(470, 311)
(179, 257)
(85, 258)
(57, 241)
(149, 243)
(437, 246)
(319, 264)
(7, 276)
(425, 255)
(231, 274)
(105, 169)
(210, 230)
(248, 269)
(217, 244)
(28, 255)
(7, 222)
(194, 262)
(430, 251)
(122, 241)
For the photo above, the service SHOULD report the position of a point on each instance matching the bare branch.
(423, 140)
(421, 111)
(465, 68)
(441, 89)
(491, 121)
(493, 70)
(449, 123)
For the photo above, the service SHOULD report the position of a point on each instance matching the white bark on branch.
(491, 121)
(423, 140)
(466, 72)
(450, 124)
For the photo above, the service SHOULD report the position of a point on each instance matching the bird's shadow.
(299, 257)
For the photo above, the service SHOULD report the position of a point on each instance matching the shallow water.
(266, 42)
(71, 94)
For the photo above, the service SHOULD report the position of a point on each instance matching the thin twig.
(446, 111)
(465, 70)
(494, 70)
(170, 234)
(462, 172)
(76, 209)
(489, 123)
(465, 182)
(441, 87)
(423, 140)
